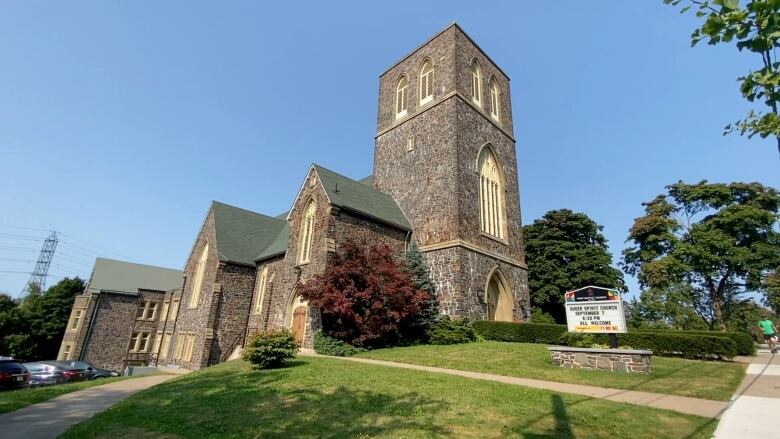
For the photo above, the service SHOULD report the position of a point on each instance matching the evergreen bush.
(520, 332)
(451, 331)
(326, 345)
(270, 349)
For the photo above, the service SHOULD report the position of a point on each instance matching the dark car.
(72, 373)
(43, 374)
(13, 375)
(91, 372)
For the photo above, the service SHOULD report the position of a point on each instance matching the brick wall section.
(230, 320)
(107, 343)
(196, 320)
(75, 337)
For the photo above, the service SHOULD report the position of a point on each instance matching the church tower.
(445, 150)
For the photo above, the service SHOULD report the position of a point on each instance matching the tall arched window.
(494, 95)
(400, 97)
(426, 82)
(307, 227)
(261, 284)
(197, 282)
(476, 82)
(491, 194)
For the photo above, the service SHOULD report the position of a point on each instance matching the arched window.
(494, 95)
(197, 283)
(426, 82)
(476, 82)
(307, 227)
(400, 97)
(261, 284)
(491, 194)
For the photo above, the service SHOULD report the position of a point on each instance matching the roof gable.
(241, 234)
(359, 197)
(129, 277)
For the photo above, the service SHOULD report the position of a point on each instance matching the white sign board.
(595, 310)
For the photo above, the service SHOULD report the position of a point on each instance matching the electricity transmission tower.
(38, 276)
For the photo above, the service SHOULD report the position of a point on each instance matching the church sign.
(595, 310)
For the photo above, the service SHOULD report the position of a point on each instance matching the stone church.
(444, 176)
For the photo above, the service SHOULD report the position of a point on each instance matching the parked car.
(72, 373)
(42, 374)
(91, 372)
(13, 375)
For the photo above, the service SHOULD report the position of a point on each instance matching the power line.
(103, 249)
(26, 228)
(13, 247)
(17, 236)
(17, 260)
(14, 271)
(38, 276)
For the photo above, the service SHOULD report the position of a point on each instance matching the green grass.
(16, 399)
(323, 397)
(699, 379)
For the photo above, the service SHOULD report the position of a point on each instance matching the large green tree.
(566, 250)
(35, 326)
(754, 27)
(718, 239)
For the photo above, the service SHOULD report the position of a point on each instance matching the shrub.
(520, 332)
(270, 349)
(745, 343)
(451, 331)
(539, 316)
(688, 344)
(326, 345)
(364, 296)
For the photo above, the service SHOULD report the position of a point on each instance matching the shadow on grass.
(284, 403)
(562, 425)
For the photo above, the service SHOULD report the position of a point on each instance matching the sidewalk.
(51, 418)
(753, 410)
(681, 404)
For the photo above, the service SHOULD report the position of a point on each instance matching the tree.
(771, 289)
(38, 322)
(417, 268)
(718, 239)
(364, 296)
(564, 251)
(755, 27)
(670, 307)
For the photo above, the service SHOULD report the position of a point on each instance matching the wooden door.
(299, 323)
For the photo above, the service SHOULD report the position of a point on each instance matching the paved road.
(682, 404)
(51, 418)
(754, 409)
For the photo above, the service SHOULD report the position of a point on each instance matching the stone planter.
(613, 360)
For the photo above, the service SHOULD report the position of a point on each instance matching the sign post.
(596, 310)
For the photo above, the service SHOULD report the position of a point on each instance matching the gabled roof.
(242, 234)
(128, 277)
(368, 181)
(358, 197)
(278, 245)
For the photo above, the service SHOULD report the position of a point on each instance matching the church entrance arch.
(498, 296)
(296, 316)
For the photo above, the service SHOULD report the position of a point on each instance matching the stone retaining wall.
(614, 360)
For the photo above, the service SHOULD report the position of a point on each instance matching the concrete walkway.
(51, 418)
(754, 409)
(682, 404)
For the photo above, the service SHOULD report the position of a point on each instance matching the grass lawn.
(16, 399)
(322, 397)
(698, 379)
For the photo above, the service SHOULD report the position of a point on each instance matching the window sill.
(401, 115)
(302, 264)
(426, 100)
(494, 238)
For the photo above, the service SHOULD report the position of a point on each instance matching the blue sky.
(121, 121)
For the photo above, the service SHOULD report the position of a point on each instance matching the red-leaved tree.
(364, 296)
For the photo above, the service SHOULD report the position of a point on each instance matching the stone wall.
(196, 319)
(75, 337)
(107, 341)
(230, 318)
(614, 360)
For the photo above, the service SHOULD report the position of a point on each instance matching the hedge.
(745, 343)
(520, 332)
(664, 343)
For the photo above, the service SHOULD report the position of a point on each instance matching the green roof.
(368, 181)
(242, 234)
(128, 277)
(278, 245)
(358, 197)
